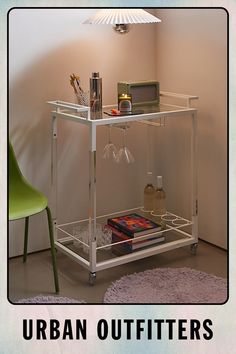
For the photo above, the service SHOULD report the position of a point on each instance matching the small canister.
(125, 102)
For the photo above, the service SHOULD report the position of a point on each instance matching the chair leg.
(26, 238)
(53, 253)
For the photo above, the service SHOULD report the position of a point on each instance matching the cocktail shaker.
(95, 96)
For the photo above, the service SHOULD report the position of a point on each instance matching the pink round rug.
(168, 285)
(49, 299)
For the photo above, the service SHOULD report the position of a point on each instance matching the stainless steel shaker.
(95, 96)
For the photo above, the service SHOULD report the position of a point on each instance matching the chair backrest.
(13, 167)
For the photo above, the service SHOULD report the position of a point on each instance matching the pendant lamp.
(121, 18)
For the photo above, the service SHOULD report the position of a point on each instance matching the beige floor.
(35, 277)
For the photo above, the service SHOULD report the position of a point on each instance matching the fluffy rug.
(168, 285)
(49, 299)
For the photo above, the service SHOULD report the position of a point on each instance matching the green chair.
(25, 201)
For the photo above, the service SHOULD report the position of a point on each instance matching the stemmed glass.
(124, 153)
(110, 149)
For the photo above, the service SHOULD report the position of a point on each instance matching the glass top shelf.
(80, 113)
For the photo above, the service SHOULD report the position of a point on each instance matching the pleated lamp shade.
(121, 16)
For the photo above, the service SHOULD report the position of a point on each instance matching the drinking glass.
(124, 154)
(110, 150)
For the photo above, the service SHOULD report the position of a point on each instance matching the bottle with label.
(159, 199)
(149, 192)
(95, 96)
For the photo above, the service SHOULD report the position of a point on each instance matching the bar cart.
(152, 116)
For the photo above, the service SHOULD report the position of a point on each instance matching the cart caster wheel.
(92, 278)
(193, 248)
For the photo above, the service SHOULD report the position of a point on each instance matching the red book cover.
(134, 225)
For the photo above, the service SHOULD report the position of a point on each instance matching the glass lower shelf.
(75, 235)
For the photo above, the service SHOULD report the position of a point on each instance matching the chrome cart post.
(54, 172)
(92, 205)
(194, 182)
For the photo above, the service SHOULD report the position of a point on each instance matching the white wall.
(46, 46)
(192, 59)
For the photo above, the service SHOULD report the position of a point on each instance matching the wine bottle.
(159, 199)
(149, 192)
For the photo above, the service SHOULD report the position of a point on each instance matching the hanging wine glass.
(124, 154)
(110, 150)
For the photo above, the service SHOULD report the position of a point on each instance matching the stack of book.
(129, 228)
